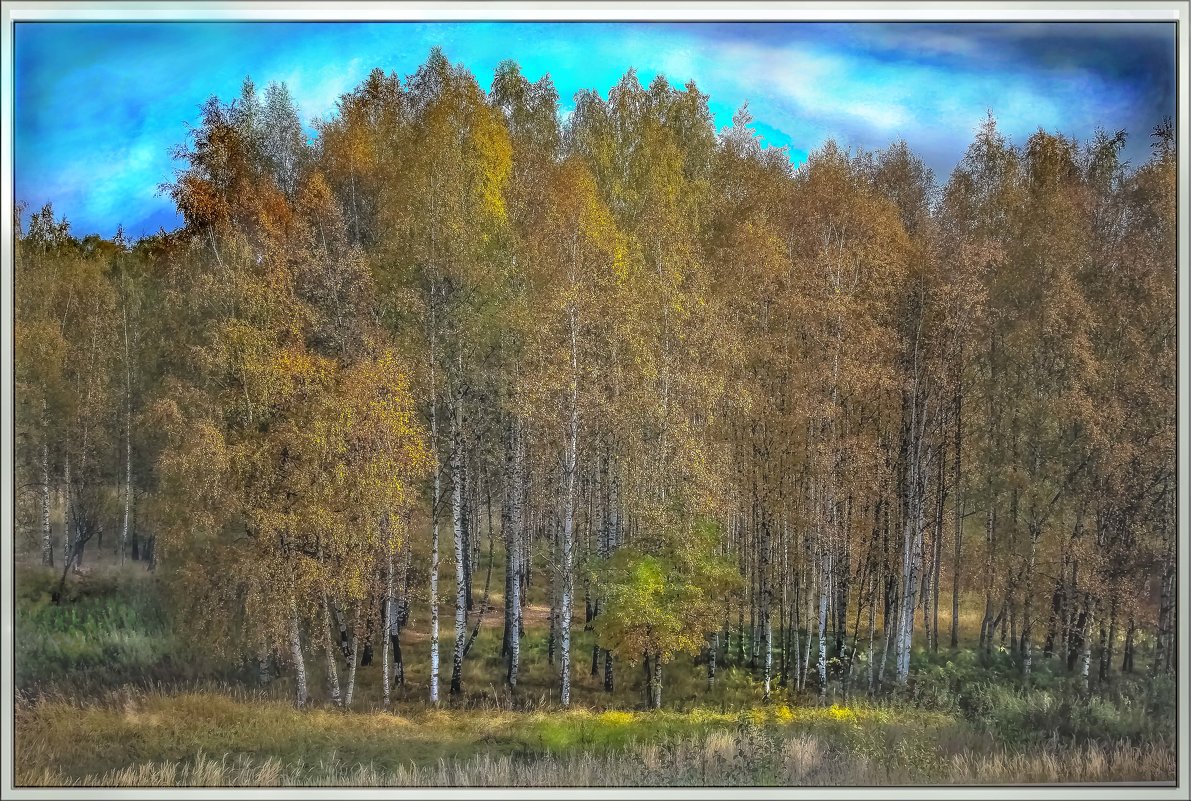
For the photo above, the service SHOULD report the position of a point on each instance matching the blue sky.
(98, 105)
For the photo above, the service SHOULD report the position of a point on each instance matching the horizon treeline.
(713, 404)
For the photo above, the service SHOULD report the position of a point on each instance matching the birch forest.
(611, 397)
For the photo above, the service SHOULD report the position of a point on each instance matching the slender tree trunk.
(127, 442)
(398, 614)
(47, 543)
(872, 631)
(766, 603)
(925, 592)
(614, 522)
(910, 566)
(295, 642)
(355, 660)
(806, 657)
(916, 484)
(795, 642)
(387, 621)
(341, 628)
(936, 560)
(467, 532)
(754, 592)
(600, 486)
(1057, 612)
(1109, 641)
(1027, 623)
(1075, 638)
(783, 609)
(1163, 660)
(843, 587)
(1171, 658)
(434, 512)
(475, 631)
(960, 510)
(986, 623)
(711, 653)
(555, 592)
(506, 529)
(656, 684)
(332, 670)
(457, 458)
(1086, 661)
(1127, 659)
(822, 624)
(568, 516)
(67, 516)
(647, 665)
(514, 543)
(768, 634)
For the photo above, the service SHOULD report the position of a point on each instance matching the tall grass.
(108, 625)
(719, 758)
(142, 737)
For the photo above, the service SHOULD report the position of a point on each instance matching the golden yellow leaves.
(494, 156)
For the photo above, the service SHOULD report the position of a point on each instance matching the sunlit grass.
(721, 754)
(111, 696)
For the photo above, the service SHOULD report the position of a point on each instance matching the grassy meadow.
(109, 693)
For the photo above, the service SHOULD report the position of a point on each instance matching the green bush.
(107, 628)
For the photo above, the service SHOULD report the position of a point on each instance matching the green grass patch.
(108, 627)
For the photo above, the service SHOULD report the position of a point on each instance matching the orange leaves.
(315, 200)
(200, 202)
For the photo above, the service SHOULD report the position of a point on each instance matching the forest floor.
(109, 694)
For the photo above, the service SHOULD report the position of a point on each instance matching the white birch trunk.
(766, 602)
(515, 536)
(295, 642)
(355, 660)
(656, 700)
(434, 522)
(911, 561)
(568, 520)
(822, 634)
(1027, 622)
(822, 625)
(386, 624)
(434, 669)
(457, 523)
(768, 651)
(332, 671)
(67, 527)
(1086, 656)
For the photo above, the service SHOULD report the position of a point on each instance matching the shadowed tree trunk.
(457, 458)
(47, 543)
(328, 647)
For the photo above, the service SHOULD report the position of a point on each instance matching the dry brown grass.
(718, 759)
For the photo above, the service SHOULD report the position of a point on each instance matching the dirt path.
(535, 615)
